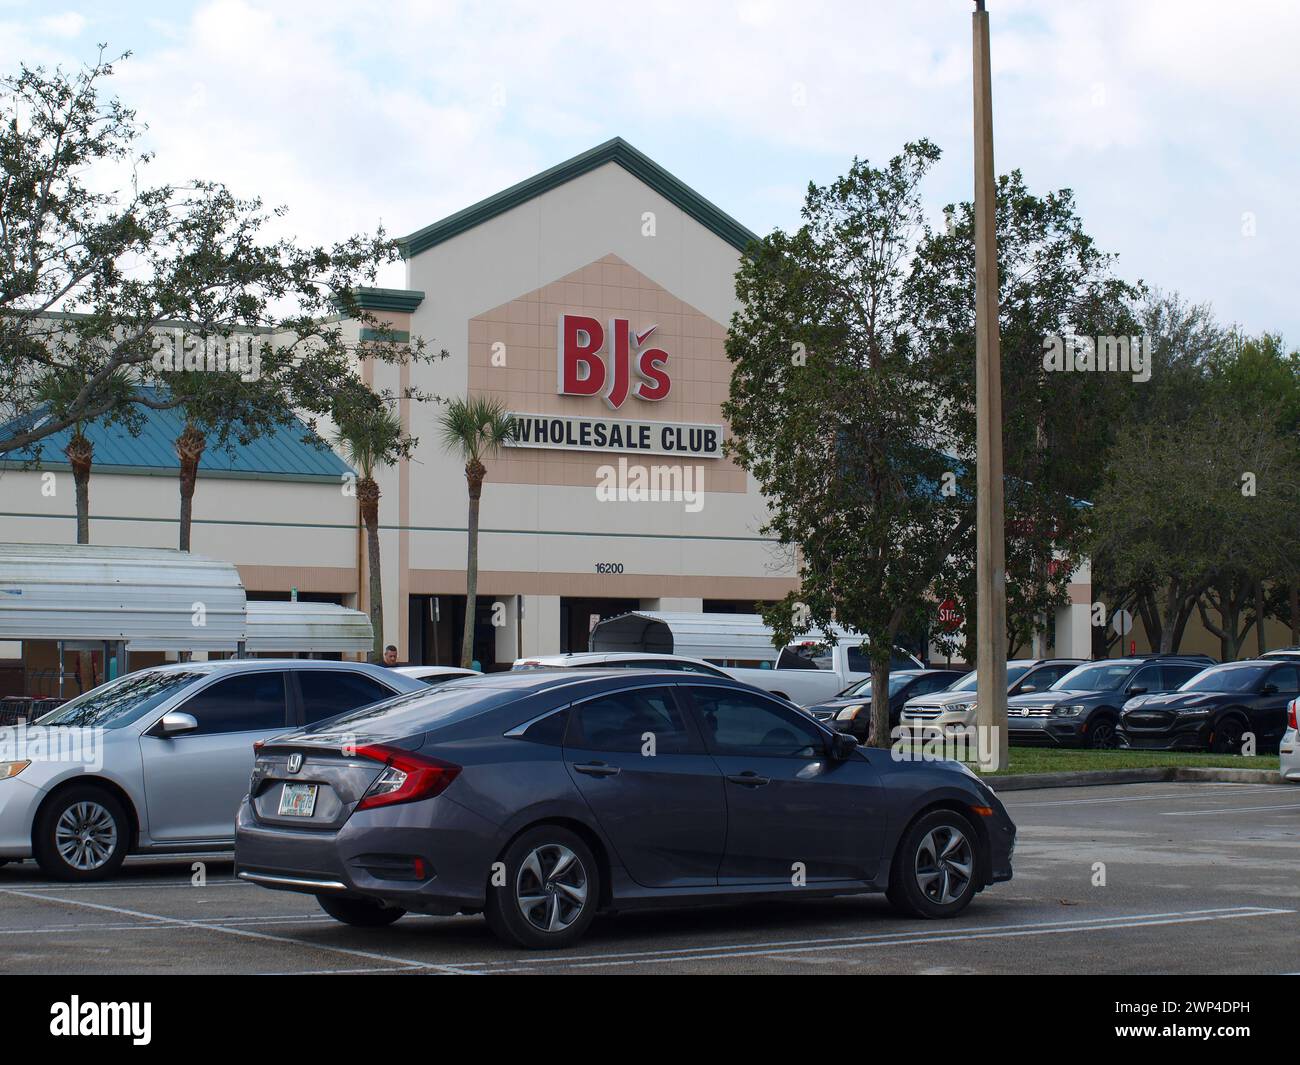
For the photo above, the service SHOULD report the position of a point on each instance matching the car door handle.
(749, 779)
(597, 769)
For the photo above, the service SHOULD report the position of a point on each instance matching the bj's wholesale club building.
(592, 300)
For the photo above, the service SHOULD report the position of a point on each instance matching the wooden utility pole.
(991, 598)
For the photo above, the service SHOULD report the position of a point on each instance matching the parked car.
(433, 675)
(619, 660)
(955, 706)
(1216, 709)
(810, 671)
(850, 710)
(1082, 708)
(1292, 653)
(158, 759)
(529, 796)
(1289, 749)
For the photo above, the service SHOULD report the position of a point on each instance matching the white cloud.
(1168, 117)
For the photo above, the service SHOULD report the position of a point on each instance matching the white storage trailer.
(123, 599)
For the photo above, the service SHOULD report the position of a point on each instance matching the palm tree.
(369, 439)
(58, 390)
(474, 427)
(189, 449)
(80, 453)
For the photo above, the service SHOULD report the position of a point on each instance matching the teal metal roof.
(282, 454)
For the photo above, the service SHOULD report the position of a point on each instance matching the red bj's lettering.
(581, 371)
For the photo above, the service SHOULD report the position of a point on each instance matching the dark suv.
(1082, 708)
(1217, 709)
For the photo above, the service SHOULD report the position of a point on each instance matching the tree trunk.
(368, 501)
(1294, 597)
(1261, 640)
(81, 456)
(189, 449)
(475, 471)
(878, 735)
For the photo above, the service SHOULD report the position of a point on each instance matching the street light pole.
(990, 547)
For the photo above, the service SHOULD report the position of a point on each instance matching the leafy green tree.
(371, 437)
(94, 278)
(474, 428)
(833, 412)
(1053, 281)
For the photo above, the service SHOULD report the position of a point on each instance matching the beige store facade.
(592, 300)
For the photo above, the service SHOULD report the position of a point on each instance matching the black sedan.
(542, 797)
(1216, 710)
(850, 710)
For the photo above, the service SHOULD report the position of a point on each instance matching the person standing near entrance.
(390, 656)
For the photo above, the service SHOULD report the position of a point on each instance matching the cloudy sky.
(1173, 120)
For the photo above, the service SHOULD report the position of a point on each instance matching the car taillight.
(1291, 712)
(406, 777)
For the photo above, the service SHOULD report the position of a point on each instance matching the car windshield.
(863, 687)
(121, 701)
(1226, 679)
(970, 681)
(1095, 677)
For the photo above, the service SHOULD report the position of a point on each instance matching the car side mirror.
(843, 744)
(1024, 688)
(1138, 689)
(176, 722)
(1268, 688)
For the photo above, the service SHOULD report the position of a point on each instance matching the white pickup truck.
(808, 672)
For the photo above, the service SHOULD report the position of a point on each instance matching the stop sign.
(949, 619)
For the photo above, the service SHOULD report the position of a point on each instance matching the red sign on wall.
(582, 369)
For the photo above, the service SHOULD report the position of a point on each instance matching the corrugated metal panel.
(288, 627)
(154, 598)
(713, 637)
(281, 453)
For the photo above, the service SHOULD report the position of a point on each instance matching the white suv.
(1290, 748)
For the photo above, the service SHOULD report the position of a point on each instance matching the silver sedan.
(157, 760)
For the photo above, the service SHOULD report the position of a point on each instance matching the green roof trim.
(617, 151)
(389, 299)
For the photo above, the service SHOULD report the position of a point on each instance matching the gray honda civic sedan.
(541, 798)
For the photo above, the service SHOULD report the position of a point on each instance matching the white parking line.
(1090, 802)
(300, 918)
(901, 935)
(740, 950)
(139, 885)
(1182, 795)
(245, 932)
(1234, 809)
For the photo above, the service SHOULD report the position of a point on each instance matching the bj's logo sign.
(583, 370)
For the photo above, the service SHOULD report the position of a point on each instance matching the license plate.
(297, 800)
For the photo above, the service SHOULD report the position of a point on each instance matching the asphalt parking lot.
(1197, 878)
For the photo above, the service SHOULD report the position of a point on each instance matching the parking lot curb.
(1089, 778)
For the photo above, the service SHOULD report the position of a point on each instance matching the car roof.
(605, 656)
(278, 663)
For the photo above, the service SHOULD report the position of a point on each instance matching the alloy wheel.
(945, 863)
(85, 835)
(551, 887)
